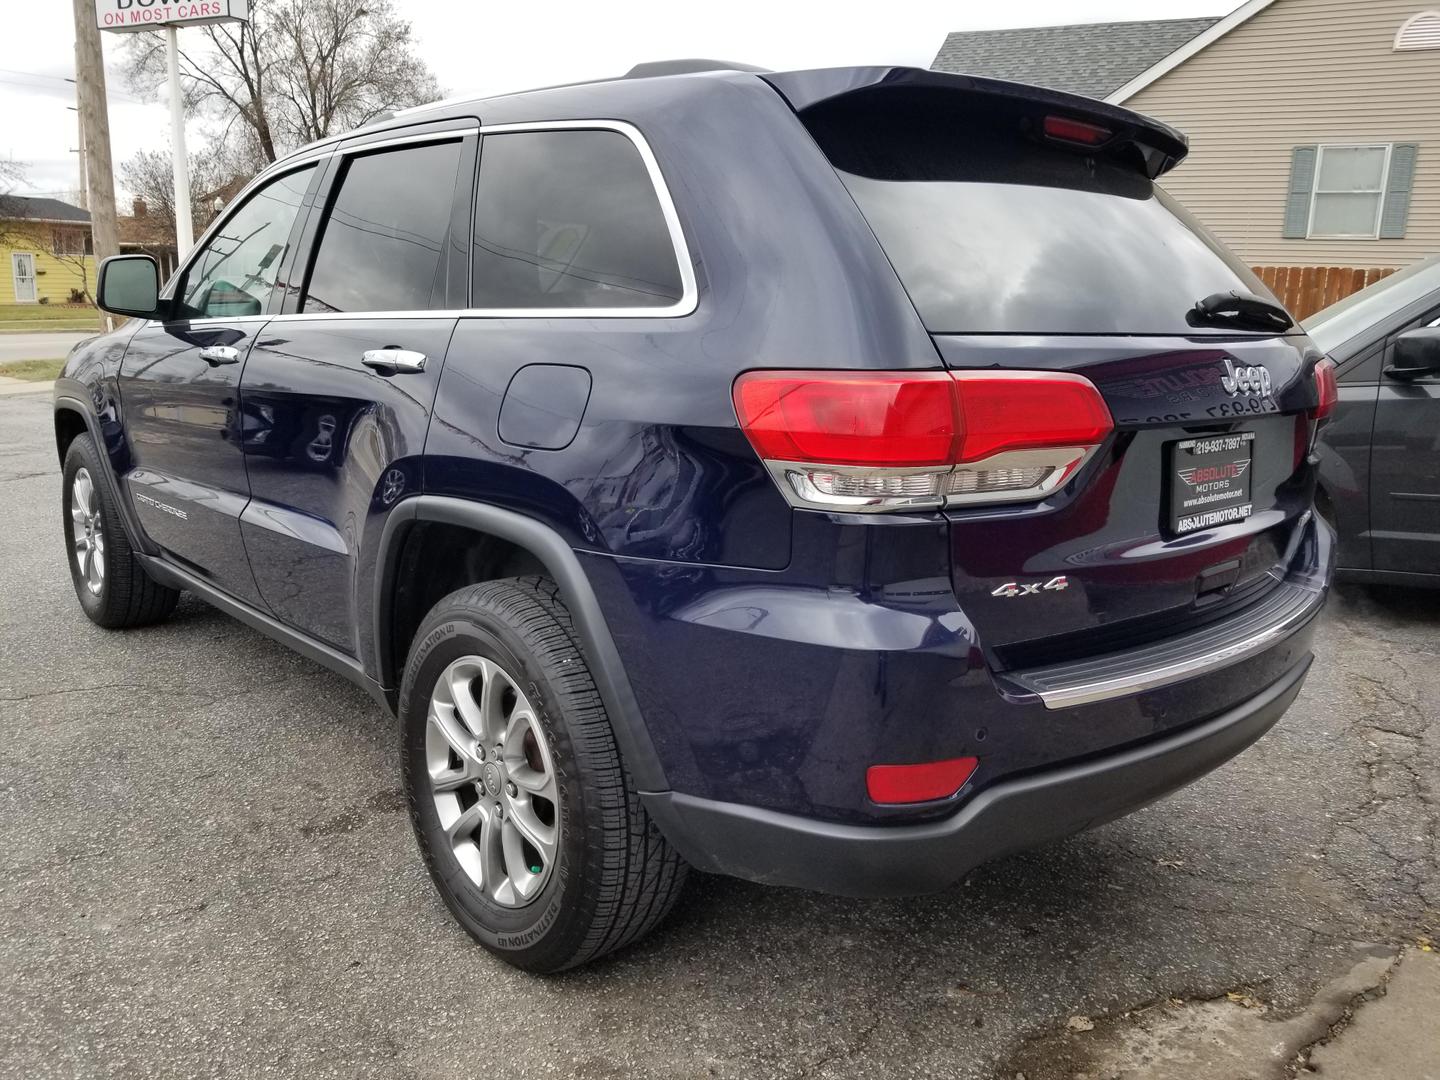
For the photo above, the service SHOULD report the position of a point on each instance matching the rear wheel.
(111, 585)
(522, 806)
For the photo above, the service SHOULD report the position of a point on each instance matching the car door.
(180, 378)
(338, 392)
(1405, 469)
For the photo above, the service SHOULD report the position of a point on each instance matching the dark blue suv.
(830, 478)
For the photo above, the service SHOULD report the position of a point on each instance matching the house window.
(1349, 191)
(1419, 32)
(71, 242)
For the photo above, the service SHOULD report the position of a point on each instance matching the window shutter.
(1397, 192)
(1302, 184)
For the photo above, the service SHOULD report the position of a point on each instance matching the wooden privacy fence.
(1304, 290)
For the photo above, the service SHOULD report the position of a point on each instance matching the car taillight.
(1326, 388)
(876, 441)
(1068, 129)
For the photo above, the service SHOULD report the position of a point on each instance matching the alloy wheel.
(87, 531)
(493, 780)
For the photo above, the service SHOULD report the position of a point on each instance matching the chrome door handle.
(215, 355)
(394, 361)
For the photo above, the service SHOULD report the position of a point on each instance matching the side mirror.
(1416, 354)
(129, 285)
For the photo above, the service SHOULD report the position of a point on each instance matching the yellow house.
(45, 252)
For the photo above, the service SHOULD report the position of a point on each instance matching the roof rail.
(686, 67)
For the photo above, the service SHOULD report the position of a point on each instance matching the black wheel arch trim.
(562, 564)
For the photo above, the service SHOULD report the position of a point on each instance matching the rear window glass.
(992, 231)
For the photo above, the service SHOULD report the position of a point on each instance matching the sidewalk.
(15, 387)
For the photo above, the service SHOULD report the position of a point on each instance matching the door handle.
(394, 361)
(215, 355)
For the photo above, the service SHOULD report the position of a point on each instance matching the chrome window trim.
(680, 249)
(452, 134)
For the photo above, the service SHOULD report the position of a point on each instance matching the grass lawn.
(40, 317)
(32, 370)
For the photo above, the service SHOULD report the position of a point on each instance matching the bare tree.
(12, 176)
(149, 175)
(300, 70)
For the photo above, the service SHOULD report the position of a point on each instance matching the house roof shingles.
(1093, 59)
(31, 208)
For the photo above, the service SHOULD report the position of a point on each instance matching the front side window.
(234, 273)
(382, 246)
(1349, 191)
(570, 219)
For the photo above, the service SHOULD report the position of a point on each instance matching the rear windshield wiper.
(1240, 309)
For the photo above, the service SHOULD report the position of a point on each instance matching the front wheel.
(113, 588)
(522, 806)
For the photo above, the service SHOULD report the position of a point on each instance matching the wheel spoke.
(464, 826)
(492, 690)
(492, 857)
(540, 835)
(461, 682)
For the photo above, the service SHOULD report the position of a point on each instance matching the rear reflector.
(1076, 131)
(925, 782)
(875, 441)
(1327, 390)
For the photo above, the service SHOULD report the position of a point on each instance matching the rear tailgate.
(1028, 230)
(1129, 537)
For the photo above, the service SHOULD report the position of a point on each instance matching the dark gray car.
(1380, 453)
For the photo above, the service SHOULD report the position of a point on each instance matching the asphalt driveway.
(205, 870)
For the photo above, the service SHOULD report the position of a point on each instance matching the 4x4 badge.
(1034, 588)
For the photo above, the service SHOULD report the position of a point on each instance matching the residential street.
(42, 346)
(206, 870)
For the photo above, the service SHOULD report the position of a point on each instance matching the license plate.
(1210, 481)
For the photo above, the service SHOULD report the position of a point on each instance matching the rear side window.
(569, 219)
(994, 230)
(382, 246)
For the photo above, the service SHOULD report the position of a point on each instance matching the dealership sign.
(154, 14)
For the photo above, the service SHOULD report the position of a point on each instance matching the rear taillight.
(876, 441)
(1327, 390)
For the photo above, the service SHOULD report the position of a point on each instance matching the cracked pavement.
(206, 870)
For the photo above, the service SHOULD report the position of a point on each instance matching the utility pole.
(95, 125)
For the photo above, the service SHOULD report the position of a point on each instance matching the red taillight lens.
(886, 440)
(1327, 390)
(1076, 131)
(1018, 410)
(883, 419)
(925, 782)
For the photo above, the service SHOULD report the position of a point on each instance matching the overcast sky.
(492, 46)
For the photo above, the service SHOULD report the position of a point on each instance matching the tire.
(608, 876)
(121, 594)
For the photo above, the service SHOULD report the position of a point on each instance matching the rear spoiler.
(1161, 147)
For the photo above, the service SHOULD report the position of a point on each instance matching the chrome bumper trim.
(1289, 607)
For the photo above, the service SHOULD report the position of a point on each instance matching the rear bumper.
(895, 860)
